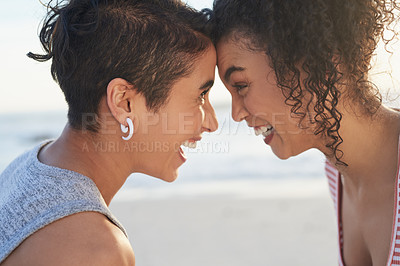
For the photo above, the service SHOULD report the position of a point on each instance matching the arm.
(86, 238)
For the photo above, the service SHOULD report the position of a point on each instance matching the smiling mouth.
(182, 154)
(265, 131)
(190, 144)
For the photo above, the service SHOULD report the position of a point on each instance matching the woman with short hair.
(136, 76)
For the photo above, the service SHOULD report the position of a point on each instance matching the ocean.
(231, 160)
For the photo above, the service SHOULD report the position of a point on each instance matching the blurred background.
(234, 203)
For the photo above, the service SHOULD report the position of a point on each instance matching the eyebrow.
(207, 85)
(230, 70)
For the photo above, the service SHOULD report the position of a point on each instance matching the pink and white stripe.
(335, 187)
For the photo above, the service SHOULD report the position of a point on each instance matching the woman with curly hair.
(297, 71)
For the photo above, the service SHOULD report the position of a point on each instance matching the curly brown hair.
(331, 41)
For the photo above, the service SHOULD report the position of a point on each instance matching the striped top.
(335, 187)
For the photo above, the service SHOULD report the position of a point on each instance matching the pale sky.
(27, 85)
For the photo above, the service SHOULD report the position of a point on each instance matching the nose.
(239, 111)
(210, 123)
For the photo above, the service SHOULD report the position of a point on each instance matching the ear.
(120, 94)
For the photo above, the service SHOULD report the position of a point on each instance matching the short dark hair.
(313, 36)
(149, 43)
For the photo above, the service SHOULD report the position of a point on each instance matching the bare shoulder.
(87, 238)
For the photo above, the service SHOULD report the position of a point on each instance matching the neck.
(92, 156)
(370, 147)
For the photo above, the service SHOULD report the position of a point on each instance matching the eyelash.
(239, 88)
(203, 95)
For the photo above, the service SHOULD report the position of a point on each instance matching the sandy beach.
(229, 229)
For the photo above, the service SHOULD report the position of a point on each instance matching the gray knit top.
(33, 195)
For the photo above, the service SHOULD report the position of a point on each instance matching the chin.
(282, 155)
(168, 177)
(286, 154)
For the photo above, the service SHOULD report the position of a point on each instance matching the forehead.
(234, 51)
(229, 51)
(204, 66)
(203, 72)
(237, 57)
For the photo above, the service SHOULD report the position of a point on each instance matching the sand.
(217, 230)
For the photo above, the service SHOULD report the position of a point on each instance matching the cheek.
(189, 122)
(165, 127)
(257, 105)
(275, 101)
(200, 116)
(250, 105)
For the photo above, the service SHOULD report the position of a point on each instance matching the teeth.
(264, 130)
(186, 144)
(266, 134)
(191, 145)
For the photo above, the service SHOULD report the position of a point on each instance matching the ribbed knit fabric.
(33, 195)
(336, 187)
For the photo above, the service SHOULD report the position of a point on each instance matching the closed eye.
(202, 96)
(204, 93)
(240, 88)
